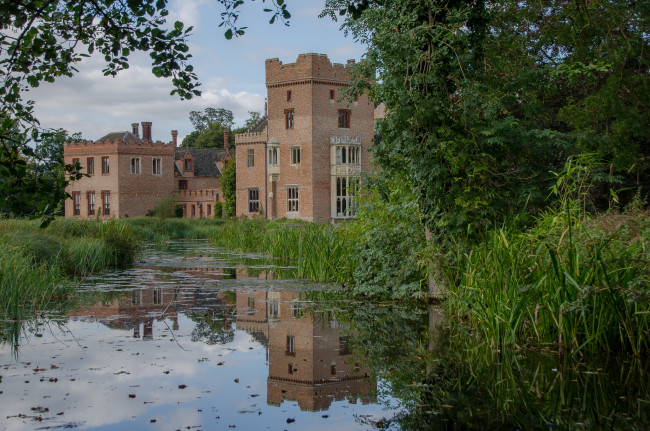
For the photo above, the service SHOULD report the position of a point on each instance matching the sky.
(231, 72)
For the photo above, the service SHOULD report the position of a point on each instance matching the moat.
(194, 337)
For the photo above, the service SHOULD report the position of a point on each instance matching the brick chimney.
(226, 138)
(135, 127)
(175, 137)
(146, 131)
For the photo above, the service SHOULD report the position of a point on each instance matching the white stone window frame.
(348, 154)
(293, 151)
(296, 309)
(345, 196)
(250, 157)
(159, 166)
(136, 165)
(273, 155)
(293, 198)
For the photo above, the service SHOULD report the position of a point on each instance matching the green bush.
(218, 209)
(388, 242)
(166, 208)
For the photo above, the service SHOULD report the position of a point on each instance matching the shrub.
(218, 209)
(166, 208)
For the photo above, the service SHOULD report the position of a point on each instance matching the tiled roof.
(126, 137)
(205, 160)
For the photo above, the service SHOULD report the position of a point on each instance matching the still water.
(196, 338)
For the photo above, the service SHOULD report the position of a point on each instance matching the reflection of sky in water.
(98, 368)
(87, 371)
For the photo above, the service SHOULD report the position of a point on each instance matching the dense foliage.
(229, 187)
(483, 101)
(388, 241)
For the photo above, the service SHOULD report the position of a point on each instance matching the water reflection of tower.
(308, 355)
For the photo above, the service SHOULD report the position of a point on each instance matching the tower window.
(288, 118)
(344, 118)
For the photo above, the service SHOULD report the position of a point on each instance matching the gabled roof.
(205, 160)
(126, 137)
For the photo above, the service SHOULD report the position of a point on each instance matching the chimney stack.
(146, 131)
(175, 138)
(135, 127)
(226, 138)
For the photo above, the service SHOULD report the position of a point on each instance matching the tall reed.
(26, 284)
(318, 252)
(589, 293)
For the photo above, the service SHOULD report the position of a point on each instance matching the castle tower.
(315, 144)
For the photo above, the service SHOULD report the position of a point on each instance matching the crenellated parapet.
(251, 138)
(311, 66)
(117, 146)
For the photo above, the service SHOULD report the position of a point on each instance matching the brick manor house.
(129, 175)
(300, 161)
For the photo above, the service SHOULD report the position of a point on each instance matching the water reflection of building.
(309, 355)
(136, 310)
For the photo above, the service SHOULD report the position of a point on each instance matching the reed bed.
(26, 285)
(574, 288)
(37, 265)
(159, 230)
(319, 252)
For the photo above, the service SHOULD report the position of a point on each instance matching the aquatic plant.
(583, 288)
(319, 252)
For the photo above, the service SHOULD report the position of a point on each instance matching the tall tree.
(209, 128)
(202, 120)
(483, 101)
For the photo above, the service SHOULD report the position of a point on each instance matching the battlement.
(307, 66)
(117, 146)
(251, 138)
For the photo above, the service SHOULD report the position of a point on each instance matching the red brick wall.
(309, 80)
(248, 177)
(131, 194)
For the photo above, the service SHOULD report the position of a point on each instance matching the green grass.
(319, 252)
(38, 266)
(158, 230)
(576, 288)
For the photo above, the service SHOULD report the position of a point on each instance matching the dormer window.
(187, 165)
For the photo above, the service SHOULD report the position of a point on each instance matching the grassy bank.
(319, 252)
(570, 287)
(39, 266)
(159, 230)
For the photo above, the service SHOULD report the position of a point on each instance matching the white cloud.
(95, 105)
